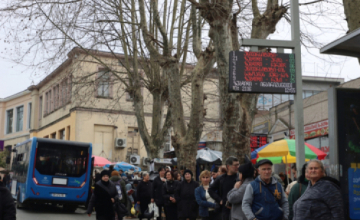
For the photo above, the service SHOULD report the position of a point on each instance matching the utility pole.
(295, 46)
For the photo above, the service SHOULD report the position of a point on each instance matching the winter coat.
(144, 191)
(157, 191)
(185, 197)
(296, 191)
(204, 205)
(118, 181)
(259, 200)
(7, 205)
(321, 201)
(101, 199)
(235, 197)
(168, 190)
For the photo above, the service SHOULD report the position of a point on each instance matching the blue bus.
(51, 171)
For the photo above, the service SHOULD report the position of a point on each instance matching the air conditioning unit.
(120, 143)
(135, 159)
(146, 161)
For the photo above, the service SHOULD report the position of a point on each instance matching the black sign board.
(255, 72)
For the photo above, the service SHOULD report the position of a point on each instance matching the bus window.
(61, 160)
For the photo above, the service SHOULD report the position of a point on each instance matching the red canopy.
(100, 161)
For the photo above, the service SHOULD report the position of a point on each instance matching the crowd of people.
(231, 191)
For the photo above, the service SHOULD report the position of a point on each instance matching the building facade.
(79, 101)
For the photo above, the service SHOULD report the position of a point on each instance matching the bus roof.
(56, 141)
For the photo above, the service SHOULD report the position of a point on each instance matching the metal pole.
(299, 115)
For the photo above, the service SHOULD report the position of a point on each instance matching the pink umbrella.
(100, 161)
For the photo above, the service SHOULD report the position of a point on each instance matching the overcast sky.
(15, 78)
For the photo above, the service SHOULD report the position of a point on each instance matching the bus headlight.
(35, 180)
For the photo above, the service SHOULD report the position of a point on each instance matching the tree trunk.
(352, 13)
(238, 110)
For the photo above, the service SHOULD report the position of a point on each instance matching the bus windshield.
(61, 160)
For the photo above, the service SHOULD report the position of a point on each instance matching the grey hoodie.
(235, 197)
(248, 199)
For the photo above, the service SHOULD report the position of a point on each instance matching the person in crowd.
(136, 176)
(120, 187)
(167, 168)
(121, 173)
(285, 179)
(130, 175)
(111, 168)
(157, 190)
(185, 197)
(223, 184)
(177, 176)
(7, 205)
(297, 190)
(294, 171)
(182, 169)
(97, 176)
(168, 192)
(103, 198)
(322, 199)
(214, 174)
(144, 191)
(264, 197)
(222, 170)
(131, 191)
(207, 204)
(235, 196)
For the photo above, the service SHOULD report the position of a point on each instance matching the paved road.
(47, 212)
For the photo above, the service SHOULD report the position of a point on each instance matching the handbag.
(120, 208)
(148, 214)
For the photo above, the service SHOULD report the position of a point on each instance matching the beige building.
(67, 105)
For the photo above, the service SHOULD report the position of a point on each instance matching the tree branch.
(255, 8)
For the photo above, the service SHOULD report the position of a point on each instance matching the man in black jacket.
(157, 195)
(7, 205)
(223, 184)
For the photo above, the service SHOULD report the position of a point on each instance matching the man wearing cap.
(264, 197)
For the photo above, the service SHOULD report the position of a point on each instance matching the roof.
(19, 94)
(348, 45)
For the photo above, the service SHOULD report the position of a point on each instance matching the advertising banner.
(313, 130)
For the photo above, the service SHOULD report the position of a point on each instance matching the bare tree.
(151, 44)
(237, 109)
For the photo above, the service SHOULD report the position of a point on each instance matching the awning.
(163, 161)
(348, 45)
(205, 155)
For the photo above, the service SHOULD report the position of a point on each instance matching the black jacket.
(185, 198)
(168, 190)
(101, 199)
(144, 192)
(216, 189)
(157, 191)
(7, 205)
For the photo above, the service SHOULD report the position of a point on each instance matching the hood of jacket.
(273, 180)
(332, 180)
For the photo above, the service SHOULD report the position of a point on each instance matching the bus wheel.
(19, 205)
(69, 208)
